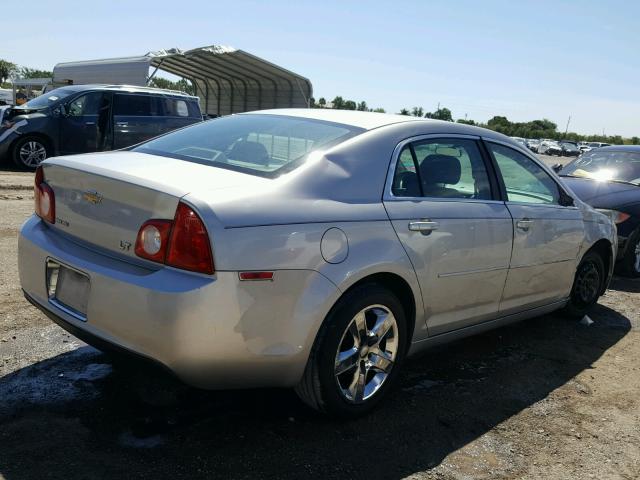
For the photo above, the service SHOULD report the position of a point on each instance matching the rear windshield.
(264, 145)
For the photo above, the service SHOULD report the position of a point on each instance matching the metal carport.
(226, 79)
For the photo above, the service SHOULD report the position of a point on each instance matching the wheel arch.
(38, 135)
(400, 288)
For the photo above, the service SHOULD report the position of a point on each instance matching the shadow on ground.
(74, 416)
(624, 284)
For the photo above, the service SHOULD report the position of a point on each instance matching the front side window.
(442, 168)
(524, 180)
(87, 104)
(265, 145)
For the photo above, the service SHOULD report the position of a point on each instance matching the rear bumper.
(211, 331)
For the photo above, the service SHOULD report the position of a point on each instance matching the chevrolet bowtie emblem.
(92, 196)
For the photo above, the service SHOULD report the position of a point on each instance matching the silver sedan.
(313, 249)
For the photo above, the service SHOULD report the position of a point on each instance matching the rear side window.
(136, 105)
(442, 168)
(264, 145)
(174, 107)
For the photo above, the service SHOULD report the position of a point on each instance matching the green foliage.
(349, 105)
(181, 85)
(466, 122)
(362, 106)
(338, 103)
(322, 102)
(7, 70)
(26, 72)
(417, 111)
(404, 111)
(440, 114)
(379, 110)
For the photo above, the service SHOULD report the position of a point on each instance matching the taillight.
(45, 201)
(181, 243)
(189, 246)
(153, 240)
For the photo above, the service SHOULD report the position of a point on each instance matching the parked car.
(520, 141)
(303, 248)
(569, 149)
(550, 147)
(6, 96)
(533, 145)
(609, 179)
(593, 145)
(90, 118)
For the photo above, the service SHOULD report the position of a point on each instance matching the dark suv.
(91, 118)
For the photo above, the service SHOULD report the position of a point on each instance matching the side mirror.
(557, 167)
(62, 108)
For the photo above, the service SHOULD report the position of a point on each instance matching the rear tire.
(357, 353)
(629, 266)
(28, 152)
(587, 285)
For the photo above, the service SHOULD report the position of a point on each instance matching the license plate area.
(68, 289)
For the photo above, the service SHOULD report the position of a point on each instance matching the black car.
(91, 118)
(570, 149)
(609, 179)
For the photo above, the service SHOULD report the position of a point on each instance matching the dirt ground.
(547, 398)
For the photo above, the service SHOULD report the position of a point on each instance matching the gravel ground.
(546, 398)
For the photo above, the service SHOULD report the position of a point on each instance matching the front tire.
(357, 353)
(587, 285)
(28, 152)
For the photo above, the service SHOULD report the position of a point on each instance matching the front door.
(444, 205)
(547, 232)
(79, 125)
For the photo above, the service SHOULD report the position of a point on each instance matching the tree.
(380, 110)
(7, 70)
(26, 72)
(349, 105)
(362, 106)
(440, 114)
(338, 103)
(465, 121)
(322, 102)
(417, 111)
(181, 85)
(635, 141)
(404, 111)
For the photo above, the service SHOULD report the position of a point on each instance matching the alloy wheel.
(587, 283)
(31, 153)
(366, 353)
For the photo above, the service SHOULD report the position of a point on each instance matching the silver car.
(313, 249)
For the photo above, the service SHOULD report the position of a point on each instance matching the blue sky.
(524, 60)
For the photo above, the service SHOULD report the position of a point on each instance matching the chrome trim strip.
(67, 310)
(471, 272)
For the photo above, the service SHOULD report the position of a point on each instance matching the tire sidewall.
(576, 307)
(336, 324)
(15, 151)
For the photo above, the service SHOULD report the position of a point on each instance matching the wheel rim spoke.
(367, 353)
(346, 360)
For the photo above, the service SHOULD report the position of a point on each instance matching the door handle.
(122, 124)
(423, 226)
(89, 123)
(524, 224)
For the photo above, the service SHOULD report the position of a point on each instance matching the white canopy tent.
(227, 80)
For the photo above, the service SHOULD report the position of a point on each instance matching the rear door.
(443, 201)
(136, 118)
(547, 234)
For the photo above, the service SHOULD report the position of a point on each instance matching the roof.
(126, 88)
(366, 120)
(620, 148)
(226, 79)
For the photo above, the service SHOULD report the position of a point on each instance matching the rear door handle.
(89, 123)
(122, 124)
(423, 226)
(524, 224)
